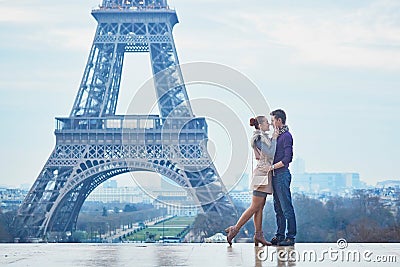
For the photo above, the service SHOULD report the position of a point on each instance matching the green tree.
(7, 231)
(104, 213)
(210, 223)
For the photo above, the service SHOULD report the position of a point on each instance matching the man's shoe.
(275, 240)
(287, 242)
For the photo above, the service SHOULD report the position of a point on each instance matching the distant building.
(388, 183)
(322, 182)
(298, 166)
(334, 182)
(11, 198)
(241, 197)
(120, 195)
(176, 201)
(217, 238)
(172, 197)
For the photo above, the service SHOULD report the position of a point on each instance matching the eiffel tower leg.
(168, 79)
(98, 92)
(33, 211)
(69, 176)
(210, 191)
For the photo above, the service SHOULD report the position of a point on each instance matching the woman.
(264, 150)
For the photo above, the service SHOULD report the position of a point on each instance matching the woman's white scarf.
(260, 135)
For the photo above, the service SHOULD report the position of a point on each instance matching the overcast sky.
(334, 66)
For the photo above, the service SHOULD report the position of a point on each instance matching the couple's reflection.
(283, 256)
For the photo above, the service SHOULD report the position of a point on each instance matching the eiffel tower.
(94, 144)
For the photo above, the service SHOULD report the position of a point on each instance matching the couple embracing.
(270, 176)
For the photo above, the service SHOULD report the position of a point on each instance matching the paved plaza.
(198, 254)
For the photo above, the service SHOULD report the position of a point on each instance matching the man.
(281, 182)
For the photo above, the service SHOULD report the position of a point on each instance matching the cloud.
(18, 15)
(46, 24)
(69, 38)
(366, 37)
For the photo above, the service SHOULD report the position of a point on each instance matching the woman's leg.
(258, 235)
(258, 215)
(257, 204)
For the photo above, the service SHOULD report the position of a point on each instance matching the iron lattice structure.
(93, 144)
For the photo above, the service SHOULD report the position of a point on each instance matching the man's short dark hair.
(279, 114)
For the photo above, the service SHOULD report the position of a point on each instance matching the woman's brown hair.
(257, 121)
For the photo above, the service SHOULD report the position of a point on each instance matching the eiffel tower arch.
(94, 144)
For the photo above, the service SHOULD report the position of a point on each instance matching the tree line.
(361, 218)
(93, 222)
